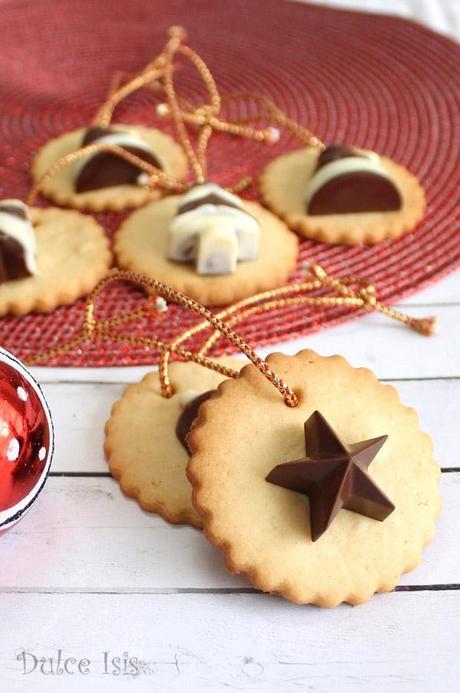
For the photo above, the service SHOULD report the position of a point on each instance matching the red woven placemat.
(377, 82)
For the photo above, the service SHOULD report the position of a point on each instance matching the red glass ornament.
(26, 440)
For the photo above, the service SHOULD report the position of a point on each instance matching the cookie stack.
(325, 502)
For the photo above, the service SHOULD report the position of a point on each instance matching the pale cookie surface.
(72, 256)
(243, 431)
(141, 245)
(61, 187)
(283, 186)
(143, 451)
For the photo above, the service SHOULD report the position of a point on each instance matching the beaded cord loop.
(91, 329)
(206, 116)
(362, 297)
(270, 111)
(160, 71)
(150, 75)
(294, 294)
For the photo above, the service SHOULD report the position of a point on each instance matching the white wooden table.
(88, 572)
(88, 575)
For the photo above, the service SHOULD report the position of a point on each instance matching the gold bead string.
(167, 389)
(363, 297)
(210, 110)
(200, 117)
(156, 175)
(93, 328)
(151, 74)
(265, 308)
(104, 115)
(195, 159)
(165, 383)
(206, 116)
(161, 71)
(367, 295)
(272, 112)
(119, 79)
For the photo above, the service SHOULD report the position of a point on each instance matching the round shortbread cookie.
(61, 189)
(283, 184)
(143, 451)
(72, 256)
(245, 430)
(141, 245)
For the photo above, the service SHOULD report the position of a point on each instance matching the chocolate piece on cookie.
(213, 230)
(18, 246)
(62, 256)
(333, 476)
(166, 244)
(349, 180)
(105, 169)
(113, 195)
(314, 192)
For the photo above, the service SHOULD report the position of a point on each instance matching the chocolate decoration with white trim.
(213, 230)
(104, 169)
(18, 246)
(348, 180)
(207, 194)
(334, 152)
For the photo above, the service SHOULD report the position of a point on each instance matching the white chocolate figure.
(213, 230)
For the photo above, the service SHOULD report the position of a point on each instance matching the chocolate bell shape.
(104, 169)
(213, 230)
(348, 180)
(18, 246)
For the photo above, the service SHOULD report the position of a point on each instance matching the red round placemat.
(374, 81)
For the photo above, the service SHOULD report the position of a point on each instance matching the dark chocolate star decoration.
(333, 476)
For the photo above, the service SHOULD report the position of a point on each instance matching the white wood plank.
(388, 348)
(373, 341)
(396, 643)
(85, 535)
(80, 411)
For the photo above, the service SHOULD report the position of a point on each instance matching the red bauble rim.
(11, 516)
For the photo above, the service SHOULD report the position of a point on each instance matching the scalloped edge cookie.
(140, 440)
(282, 186)
(60, 188)
(72, 257)
(262, 529)
(141, 246)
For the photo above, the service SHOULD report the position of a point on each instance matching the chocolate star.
(333, 476)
